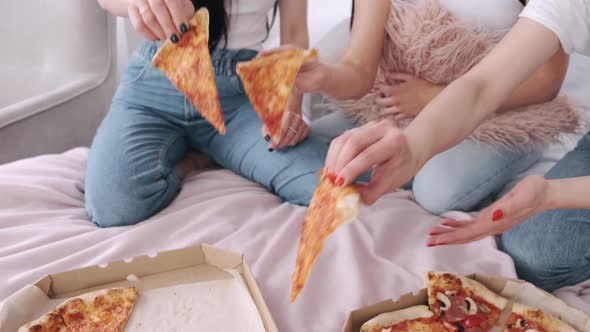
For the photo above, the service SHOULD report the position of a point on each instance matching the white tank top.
(488, 14)
(247, 23)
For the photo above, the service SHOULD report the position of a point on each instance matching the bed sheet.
(44, 229)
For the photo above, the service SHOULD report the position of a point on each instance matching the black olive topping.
(460, 327)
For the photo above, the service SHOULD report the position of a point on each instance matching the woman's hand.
(293, 128)
(407, 98)
(528, 198)
(160, 19)
(379, 145)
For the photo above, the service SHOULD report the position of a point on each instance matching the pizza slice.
(463, 303)
(187, 64)
(268, 81)
(331, 207)
(105, 310)
(526, 319)
(412, 319)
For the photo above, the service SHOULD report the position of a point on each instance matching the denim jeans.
(461, 178)
(552, 249)
(131, 171)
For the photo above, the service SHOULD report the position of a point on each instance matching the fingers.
(387, 101)
(149, 18)
(164, 19)
(293, 131)
(180, 10)
(139, 25)
(358, 140)
(370, 155)
(437, 230)
(454, 223)
(472, 232)
(378, 186)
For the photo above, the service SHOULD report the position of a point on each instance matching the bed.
(44, 229)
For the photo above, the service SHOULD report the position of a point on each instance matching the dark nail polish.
(497, 215)
(267, 138)
(174, 38)
(183, 28)
(270, 150)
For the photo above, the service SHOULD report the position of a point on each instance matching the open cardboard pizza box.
(513, 290)
(187, 289)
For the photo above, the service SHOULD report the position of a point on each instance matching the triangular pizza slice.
(331, 207)
(269, 80)
(187, 64)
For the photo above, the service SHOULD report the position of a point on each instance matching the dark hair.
(219, 19)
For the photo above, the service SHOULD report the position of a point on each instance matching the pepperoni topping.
(458, 310)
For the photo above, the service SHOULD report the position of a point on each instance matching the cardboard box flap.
(222, 259)
(269, 324)
(360, 316)
(117, 271)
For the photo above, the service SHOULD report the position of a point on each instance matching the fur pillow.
(424, 39)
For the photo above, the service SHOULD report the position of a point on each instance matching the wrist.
(418, 147)
(553, 194)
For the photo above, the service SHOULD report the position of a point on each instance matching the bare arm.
(353, 76)
(571, 193)
(479, 93)
(294, 29)
(115, 7)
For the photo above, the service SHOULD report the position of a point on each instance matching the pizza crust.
(551, 323)
(391, 318)
(475, 287)
(57, 314)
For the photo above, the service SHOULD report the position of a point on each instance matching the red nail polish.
(430, 245)
(432, 233)
(339, 181)
(331, 177)
(497, 215)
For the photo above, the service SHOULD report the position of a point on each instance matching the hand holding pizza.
(293, 128)
(160, 19)
(379, 145)
(528, 198)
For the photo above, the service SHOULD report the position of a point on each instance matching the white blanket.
(44, 229)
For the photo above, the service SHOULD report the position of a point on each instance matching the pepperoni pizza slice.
(463, 304)
(524, 318)
(269, 80)
(412, 319)
(104, 310)
(187, 64)
(331, 207)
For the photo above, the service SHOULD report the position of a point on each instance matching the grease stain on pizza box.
(180, 289)
(512, 289)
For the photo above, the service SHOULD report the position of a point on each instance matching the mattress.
(44, 229)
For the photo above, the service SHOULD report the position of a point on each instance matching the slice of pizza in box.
(475, 303)
(170, 291)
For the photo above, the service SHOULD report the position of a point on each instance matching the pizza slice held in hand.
(187, 64)
(524, 318)
(269, 80)
(463, 304)
(331, 207)
(413, 319)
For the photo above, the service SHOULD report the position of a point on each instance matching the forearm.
(449, 118)
(347, 80)
(115, 7)
(570, 193)
(541, 87)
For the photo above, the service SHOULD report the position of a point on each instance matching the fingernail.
(332, 177)
(174, 38)
(267, 138)
(339, 181)
(183, 28)
(431, 245)
(270, 149)
(432, 233)
(497, 215)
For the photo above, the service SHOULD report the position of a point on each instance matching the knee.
(438, 194)
(127, 202)
(546, 252)
(299, 190)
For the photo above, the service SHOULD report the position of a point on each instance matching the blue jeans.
(131, 171)
(461, 178)
(552, 249)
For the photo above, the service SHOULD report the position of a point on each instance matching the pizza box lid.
(204, 262)
(357, 318)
